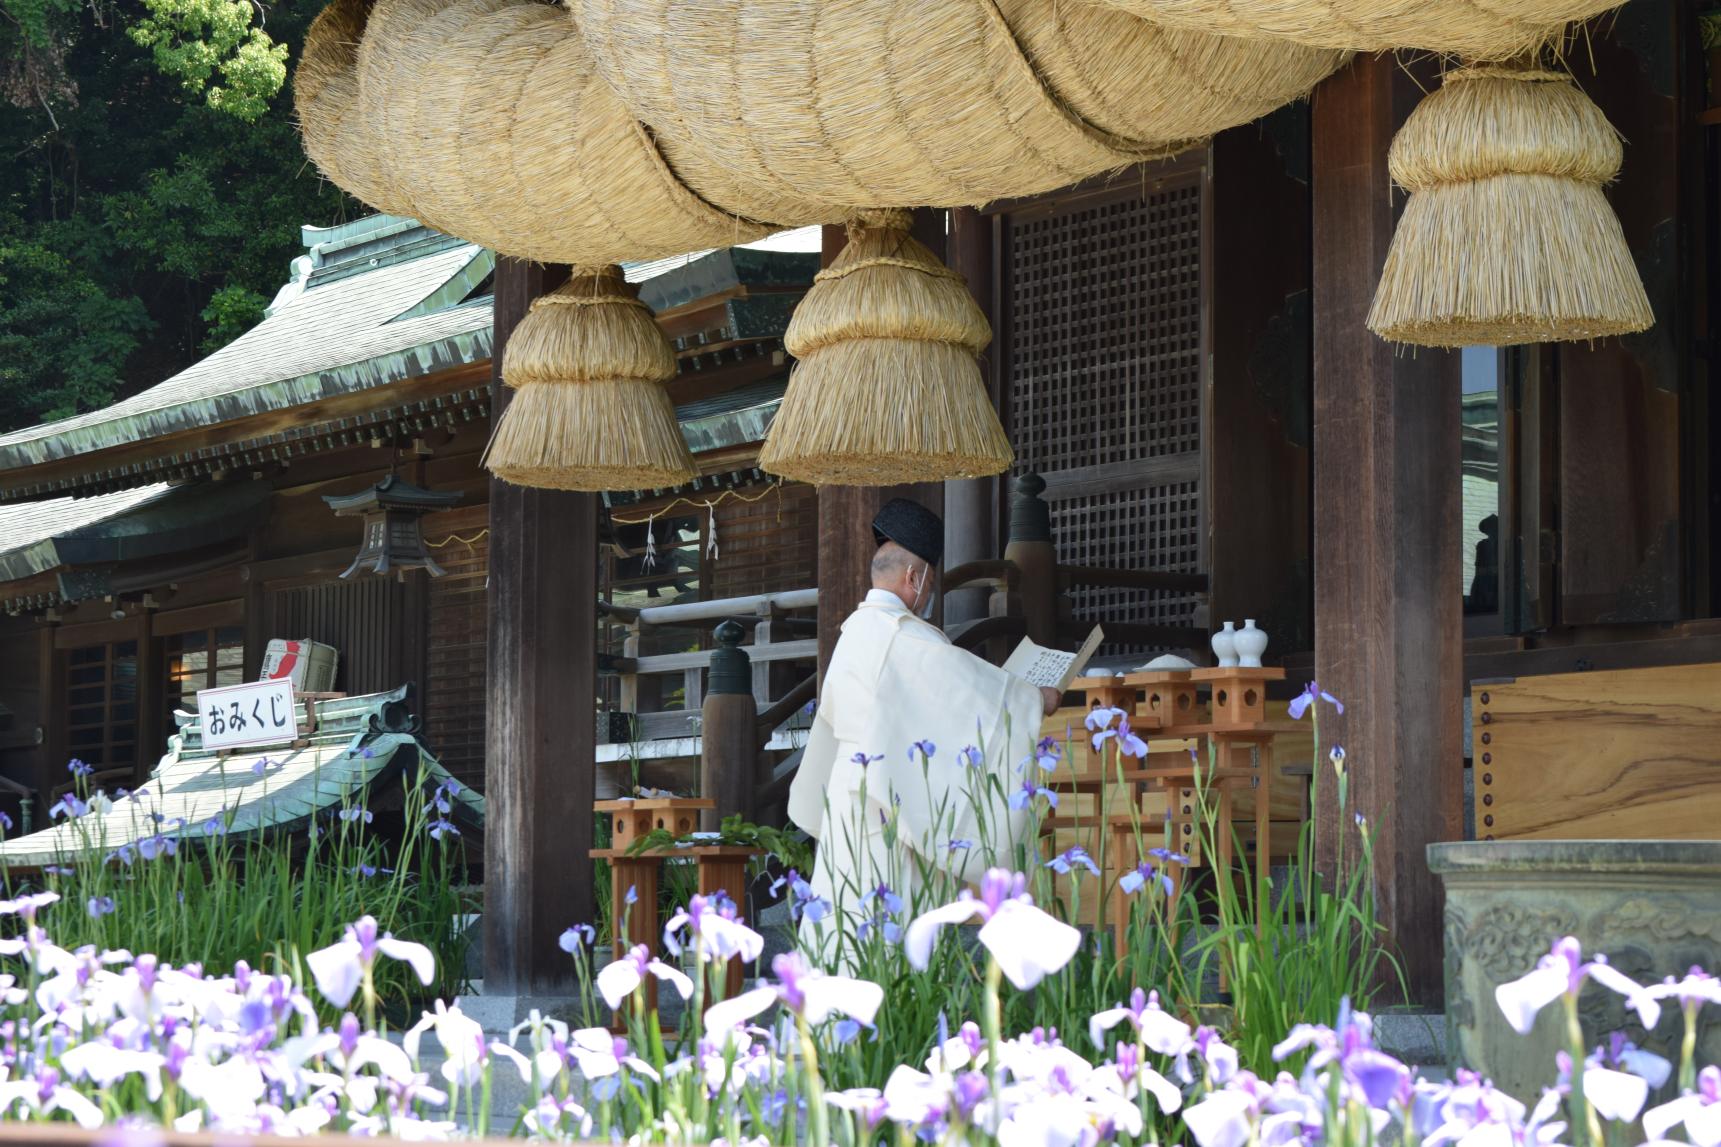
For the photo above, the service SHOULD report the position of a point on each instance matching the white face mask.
(924, 611)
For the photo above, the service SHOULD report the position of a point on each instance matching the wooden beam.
(1388, 626)
(540, 771)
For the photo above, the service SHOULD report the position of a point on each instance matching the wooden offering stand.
(722, 868)
(1232, 752)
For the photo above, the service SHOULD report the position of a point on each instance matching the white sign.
(256, 713)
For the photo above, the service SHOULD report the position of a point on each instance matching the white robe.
(894, 680)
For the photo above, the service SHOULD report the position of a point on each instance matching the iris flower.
(1310, 694)
(1144, 873)
(340, 968)
(1157, 1030)
(1699, 1111)
(1028, 944)
(710, 924)
(1024, 796)
(577, 938)
(1562, 972)
(619, 980)
(811, 995)
(1070, 859)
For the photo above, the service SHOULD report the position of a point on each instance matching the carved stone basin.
(1652, 906)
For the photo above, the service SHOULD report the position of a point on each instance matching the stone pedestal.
(1653, 907)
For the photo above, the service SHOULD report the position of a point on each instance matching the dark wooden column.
(971, 504)
(539, 770)
(1387, 549)
(1258, 419)
(846, 512)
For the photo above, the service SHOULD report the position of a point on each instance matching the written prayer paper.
(1051, 668)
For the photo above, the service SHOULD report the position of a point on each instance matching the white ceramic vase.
(1225, 646)
(1250, 643)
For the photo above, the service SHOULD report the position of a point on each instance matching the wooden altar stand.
(1221, 713)
(722, 868)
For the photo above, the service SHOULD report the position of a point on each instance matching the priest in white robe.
(917, 747)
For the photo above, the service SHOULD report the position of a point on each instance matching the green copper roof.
(361, 744)
(354, 317)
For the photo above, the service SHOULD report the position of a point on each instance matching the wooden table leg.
(726, 874)
(643, 925)
(1263, 834)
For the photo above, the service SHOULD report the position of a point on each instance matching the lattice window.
(1103, 351)
(99, 683)
(199, 659)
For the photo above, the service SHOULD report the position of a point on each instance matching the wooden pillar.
(971, 504)
(728, 742)
(541, 728)
(1388, 626)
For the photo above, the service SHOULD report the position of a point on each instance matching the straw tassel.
(1507, 237)
(589, 411)
(887, 386)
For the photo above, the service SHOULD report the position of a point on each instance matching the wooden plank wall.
(1627, 755)
(454, 687)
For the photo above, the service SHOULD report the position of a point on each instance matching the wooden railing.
(777, 638)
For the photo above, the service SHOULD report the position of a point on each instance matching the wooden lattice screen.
(1102, 344)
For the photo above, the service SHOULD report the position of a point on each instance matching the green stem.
(1583, 1114)
(818, 1119)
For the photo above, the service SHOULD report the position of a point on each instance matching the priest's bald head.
(910, 545)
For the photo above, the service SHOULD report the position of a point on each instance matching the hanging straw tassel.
(887, 386)
(589, 412)
(1507, 237)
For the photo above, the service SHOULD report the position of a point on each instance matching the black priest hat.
(911, 526)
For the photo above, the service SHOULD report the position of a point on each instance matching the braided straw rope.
(1507, 237)
(1474, 29)
(797, 110)
(485, 119)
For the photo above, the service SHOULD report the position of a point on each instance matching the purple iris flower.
(441, 827)
(959, 845)
(78, 768)
(971, 1088)
(577, 938)
(883, 894)
(357, 813)
(1024, 796)
(68, 806)
(969, 757)
(99, 906)
(1144, 873)
(924, 748)
(1047, 753)
(1310, 694)
(863, 760)
(1070, 859)
(5, 822)
(632, 896)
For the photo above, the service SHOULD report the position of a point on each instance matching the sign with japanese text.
(255, 713)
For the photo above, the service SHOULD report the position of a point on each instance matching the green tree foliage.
(153, 193)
